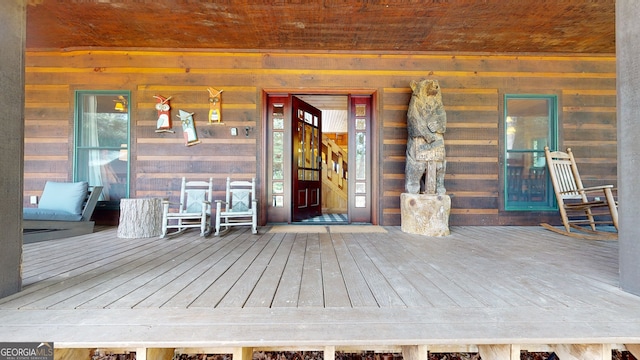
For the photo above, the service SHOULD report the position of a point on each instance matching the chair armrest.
(166, 204)
(589, 189)
(219, 206)
(91, 203)
(596, 188)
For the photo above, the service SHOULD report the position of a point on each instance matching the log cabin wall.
(472, 85)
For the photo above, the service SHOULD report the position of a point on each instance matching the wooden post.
(13, 15)
(415, 352)
(329, 352)
(499, 352)
(140, 218)
(243, 353)
(628, 128)
(71, 354)
(583, 351)
(157, 354)
(634, 349)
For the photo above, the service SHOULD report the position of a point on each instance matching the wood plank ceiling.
(453, 26)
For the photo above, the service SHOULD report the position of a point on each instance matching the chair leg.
(613, 209)
(164, 222)
(217, 233)
(254, 223)
(203, 219)
(592, 221)
(565, 218)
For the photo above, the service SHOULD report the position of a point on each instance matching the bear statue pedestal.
(425, 214)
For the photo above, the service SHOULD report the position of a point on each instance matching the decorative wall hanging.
(121, 105)
(164, 116)
(215, 102)
(188, 128)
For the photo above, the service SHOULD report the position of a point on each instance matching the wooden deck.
(515, 287)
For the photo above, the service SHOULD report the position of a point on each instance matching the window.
(530, 125)
(101, 154)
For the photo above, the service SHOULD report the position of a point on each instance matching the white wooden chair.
(581, 209)
(193, 210)
(240, 207)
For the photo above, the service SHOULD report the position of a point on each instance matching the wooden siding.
(473, 88)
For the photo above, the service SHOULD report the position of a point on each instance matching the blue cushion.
(45, 214)
(64, 196)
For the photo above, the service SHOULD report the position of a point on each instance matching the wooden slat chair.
(240, 207)
(514, 181)
(193, 210)
(581, 208)
(536, 184)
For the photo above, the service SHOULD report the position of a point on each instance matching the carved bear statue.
(426, 124)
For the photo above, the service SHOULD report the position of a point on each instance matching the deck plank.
(159, 294)
(231, 269)
(357, 287)
(384, 293)
(311, 289)
(480, 285)
(78, 252)
(332, 276)
(139, 272)
(78, 278)
(494, 292)
(529, 283)
(389, 266)
(288, 289)
(101, 280)
(428, 265)
(171, 273)
(265, 289)
(244, 284)
(198, 279)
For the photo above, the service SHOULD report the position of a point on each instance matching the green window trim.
(530, 123)
(101, 142)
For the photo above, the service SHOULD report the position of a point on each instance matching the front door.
(306, 160)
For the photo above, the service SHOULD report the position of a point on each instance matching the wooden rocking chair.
(193, 211)
(240, 207)
(581, 209)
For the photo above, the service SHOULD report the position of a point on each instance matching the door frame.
(265, 141)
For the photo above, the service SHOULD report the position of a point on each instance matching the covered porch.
(493, 290)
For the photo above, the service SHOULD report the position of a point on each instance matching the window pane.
(101, 156)
(530, 124)
(101, 124)
(527, 123)
(361, 156)
(106, 168)
(308, 146)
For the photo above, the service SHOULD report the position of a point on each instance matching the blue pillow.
(64, 196)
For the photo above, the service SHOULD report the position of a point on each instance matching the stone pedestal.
(425, 214)
(140, 218)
